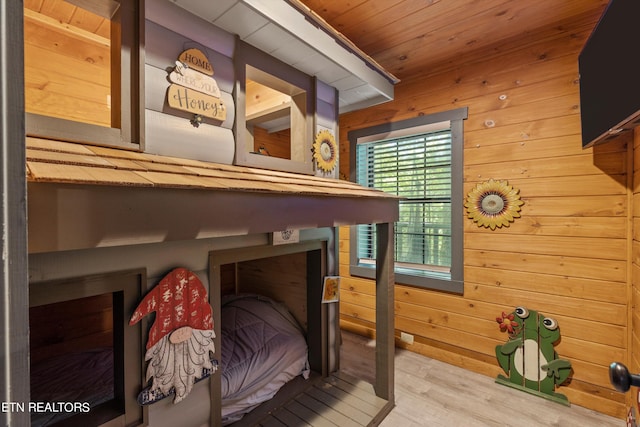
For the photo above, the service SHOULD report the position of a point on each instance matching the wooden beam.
(69, 216)
(67, 29)
(268, 114)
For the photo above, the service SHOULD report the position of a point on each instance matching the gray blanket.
(263, 348)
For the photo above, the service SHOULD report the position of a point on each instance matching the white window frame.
(451, 281)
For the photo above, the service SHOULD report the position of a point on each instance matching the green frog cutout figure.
(529, 357)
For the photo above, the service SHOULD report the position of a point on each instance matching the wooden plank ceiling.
(413, 37)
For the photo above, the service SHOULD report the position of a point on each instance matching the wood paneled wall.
(276, 144)
(67, 65)
(567, 257)
(282, 278)
(634, 298)
(70, 326)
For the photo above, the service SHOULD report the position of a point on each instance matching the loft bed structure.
(133, 173)
(96, 218)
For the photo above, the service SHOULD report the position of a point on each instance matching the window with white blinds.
(421, 160)
(417, 168)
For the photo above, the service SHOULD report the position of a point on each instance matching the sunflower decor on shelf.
(493, 204)
(325, 151)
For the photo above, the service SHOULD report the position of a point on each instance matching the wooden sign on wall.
(197, 60)
(195, 80)
(185, 99)
(193, 89)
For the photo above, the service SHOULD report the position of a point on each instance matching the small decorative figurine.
(181, 337)
(529, 357)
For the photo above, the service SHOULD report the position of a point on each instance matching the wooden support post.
(317, 329)
(385, 280)
(14, 289)
(215, 381)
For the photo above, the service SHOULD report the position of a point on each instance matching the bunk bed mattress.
(263, 348)
(74, 377)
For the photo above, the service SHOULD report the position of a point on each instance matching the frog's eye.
(522, 312)
(550, 324)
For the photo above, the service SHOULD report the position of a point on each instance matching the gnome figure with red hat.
(181, 337)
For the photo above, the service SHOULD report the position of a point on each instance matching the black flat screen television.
(609, 67)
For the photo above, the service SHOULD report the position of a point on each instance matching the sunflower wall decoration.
(325, 151)
(493, 204)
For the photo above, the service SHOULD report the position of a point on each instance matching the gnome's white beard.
(179, 365)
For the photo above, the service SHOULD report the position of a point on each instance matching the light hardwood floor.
(433, 393)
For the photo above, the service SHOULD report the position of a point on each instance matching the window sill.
(422, 279)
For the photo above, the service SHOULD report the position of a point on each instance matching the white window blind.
(417, 168)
